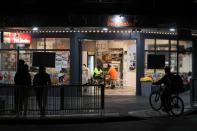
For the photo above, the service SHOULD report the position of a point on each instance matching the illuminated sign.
(117, 21)
(18, 38)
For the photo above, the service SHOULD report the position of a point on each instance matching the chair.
(120, 83)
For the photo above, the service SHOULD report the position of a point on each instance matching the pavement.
(121, 113)
(138, 106)
(117, 108)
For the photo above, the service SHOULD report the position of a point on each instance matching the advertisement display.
(18, 38)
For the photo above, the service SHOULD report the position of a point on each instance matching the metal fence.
(194, 92)
(64, 100)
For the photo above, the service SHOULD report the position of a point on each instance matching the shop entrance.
(120, 54)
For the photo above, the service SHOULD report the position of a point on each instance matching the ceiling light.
(105, 29)
(35, 29)
(172, 29)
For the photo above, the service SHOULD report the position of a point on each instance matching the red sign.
(118, 21)
(18, 38)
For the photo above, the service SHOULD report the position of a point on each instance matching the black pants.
(41, 97)
(165, 98)
(21, 95)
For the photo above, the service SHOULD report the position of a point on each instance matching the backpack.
(178, 84)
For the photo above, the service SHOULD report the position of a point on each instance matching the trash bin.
(146, 88)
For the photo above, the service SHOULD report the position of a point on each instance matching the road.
(185, 123)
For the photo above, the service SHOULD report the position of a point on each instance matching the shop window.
(57, 43)
(148, 72)
(173, 62)
(185, 62)
(185, 46)
(149, 44)
(162, 45)
(173, 45)
(8, 65)
(156, 73)
(60, 74)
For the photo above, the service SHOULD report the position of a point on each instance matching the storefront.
(11, 51)
(125, 49)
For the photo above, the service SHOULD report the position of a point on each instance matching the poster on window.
(131, 57)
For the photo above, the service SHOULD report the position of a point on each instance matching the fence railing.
(194, 91)
(51, 100)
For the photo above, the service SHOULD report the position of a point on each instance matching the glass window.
(185, 67)
(173, 62)
(37, 43)
(149, 44)
(185, 46)
(57, 74)
(173, 45)
(185, 63)
(50, 43)
(148, 72)
(60, 74)
(162, 44)
(8, 65)
(156, 73)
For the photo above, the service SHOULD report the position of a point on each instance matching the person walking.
(41, 81)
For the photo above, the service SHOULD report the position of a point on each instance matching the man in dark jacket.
(22, 81)
(41, 81)
(168, 80)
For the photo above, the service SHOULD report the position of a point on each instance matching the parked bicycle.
(175, 104)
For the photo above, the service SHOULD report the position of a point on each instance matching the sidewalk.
(138, 106)
(117, 108)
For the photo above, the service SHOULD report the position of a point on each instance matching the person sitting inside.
(98, 74)
(167, 80)
(112, 75)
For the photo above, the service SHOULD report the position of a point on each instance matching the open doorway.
(121, 54)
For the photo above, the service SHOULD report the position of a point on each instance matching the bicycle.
(176, 105)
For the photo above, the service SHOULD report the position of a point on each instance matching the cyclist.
(167, 80)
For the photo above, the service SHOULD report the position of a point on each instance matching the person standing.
(22, 80)
(86, 74)
(26, 89)
(41, 81)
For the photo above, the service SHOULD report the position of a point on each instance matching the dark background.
(77, 13)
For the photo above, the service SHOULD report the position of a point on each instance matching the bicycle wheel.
(155, 100)
(177, 106)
